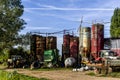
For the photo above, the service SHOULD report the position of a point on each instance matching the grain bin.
(66, 46)
(66, 39)
(38, 46)
(84, 41)
(33, 46)
(74, 45)
(51, 42)
(97, 39)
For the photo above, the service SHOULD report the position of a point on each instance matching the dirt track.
(60, 75)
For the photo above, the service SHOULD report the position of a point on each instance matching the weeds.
(16, 76)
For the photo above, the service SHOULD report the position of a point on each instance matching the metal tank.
(40, 47)
(97, 39)
(51, 42)
(66, 39)
(33, 46)
(74, 45)
(85, 41)
(66, 46)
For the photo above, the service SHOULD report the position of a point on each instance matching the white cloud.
(38, 28)
(70, 9)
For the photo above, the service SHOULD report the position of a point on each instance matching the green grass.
(52, 69)
(114, 74)
(91, 73)
(15, 76)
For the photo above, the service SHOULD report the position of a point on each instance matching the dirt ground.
(60, 75)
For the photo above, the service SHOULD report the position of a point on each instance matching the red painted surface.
(74, 45)
(66, 46)
(97, 39)
(66, 39)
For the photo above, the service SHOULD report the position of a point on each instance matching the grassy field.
(15, 76)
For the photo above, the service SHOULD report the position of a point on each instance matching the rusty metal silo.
(33, 46)
(51, 42)
(74, 46)
(40, 47)
(97, 39)
(85, 41)
(37, 47)
(66, 46)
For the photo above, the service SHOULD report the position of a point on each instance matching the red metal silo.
(74, 45)
(66, 39)
(66, 46)
(97, 39)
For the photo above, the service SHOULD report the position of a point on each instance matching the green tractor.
(51, 58)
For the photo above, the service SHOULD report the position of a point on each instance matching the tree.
(23, 40)
(115, 24)
(10, 21)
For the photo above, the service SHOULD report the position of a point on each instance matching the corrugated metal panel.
(115, 45)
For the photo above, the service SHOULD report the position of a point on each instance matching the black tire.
(35, 65)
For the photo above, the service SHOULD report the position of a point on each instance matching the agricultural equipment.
(16, 61)
(50, 59)
(107, 60)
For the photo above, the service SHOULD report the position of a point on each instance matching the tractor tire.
(35, 65)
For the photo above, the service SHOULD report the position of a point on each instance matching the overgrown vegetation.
(15, 76)
(6, 53)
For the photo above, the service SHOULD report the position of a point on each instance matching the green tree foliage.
(23, 40)
(115, 24)
(10, 21)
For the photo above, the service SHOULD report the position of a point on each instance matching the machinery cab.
(51, 57)
(107, 54)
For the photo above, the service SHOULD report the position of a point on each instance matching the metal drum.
(97, 39)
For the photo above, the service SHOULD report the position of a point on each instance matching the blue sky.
(57, 15)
